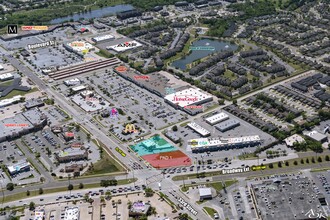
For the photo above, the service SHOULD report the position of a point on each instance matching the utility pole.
(69, 175)
(196, 167)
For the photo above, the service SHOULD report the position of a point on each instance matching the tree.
(70, 187)
(295, 163)
(107, 195)
(88, 137)
(313, 160)
(27, 193)
(287, 163)
(149, 192)
(10, 186)
(175, 128)
(41, 191)
(221, 101)
(77, 127)
(327, 158)
(307, 160)
(184, 216)
(319, 159)
(32, 206)
(271, 166)
(302, 161)
(279, 164)
(81, 185)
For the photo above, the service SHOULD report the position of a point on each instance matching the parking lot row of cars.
(193, 167)
(324, 182)
(103, 192)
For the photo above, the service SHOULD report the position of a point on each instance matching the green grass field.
(7, 83)
(104, 165)
(216, 185)
(210, 211)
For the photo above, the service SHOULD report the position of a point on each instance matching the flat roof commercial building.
(124, 46)
(21, 124)
(32, 103)
(139, 208)
(19, 167)
(78, 88)
(72, 154)
(205, 193)
(103, 38)
(6, 76)
(217, 118)
(188, 97)
(293, 139)
(79, 47)
(6, 102)
(199, 129)
(227, 125)
(216, 144)
(317, 136)
(72, 82)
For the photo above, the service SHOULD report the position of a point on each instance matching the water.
(94, 13)
(198, 54)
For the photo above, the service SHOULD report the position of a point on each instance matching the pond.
(97, 13)
(202, 48)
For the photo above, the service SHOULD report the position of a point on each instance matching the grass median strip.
(23, 195)
(216, 185)
(210, 211)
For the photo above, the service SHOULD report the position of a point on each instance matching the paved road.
(77, 114)
(250, 174)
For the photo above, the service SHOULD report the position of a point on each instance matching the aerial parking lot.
(186, 134)
(128, 98)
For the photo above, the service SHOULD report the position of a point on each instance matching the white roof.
(205, 192)
(6, 76)
(217, 118)
(72, 80)
(80, 46)
(1, 67)
(87, 93)
(199, 129)
(39, 215)
(6, 102)
(210, 142)
(71, 213)
(292, 139)
(119, 48)
(18, 166)
(78, 88)
(104, 37)
(187, 97)
(315, 135)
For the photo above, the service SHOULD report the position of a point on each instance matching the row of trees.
(302, 161)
